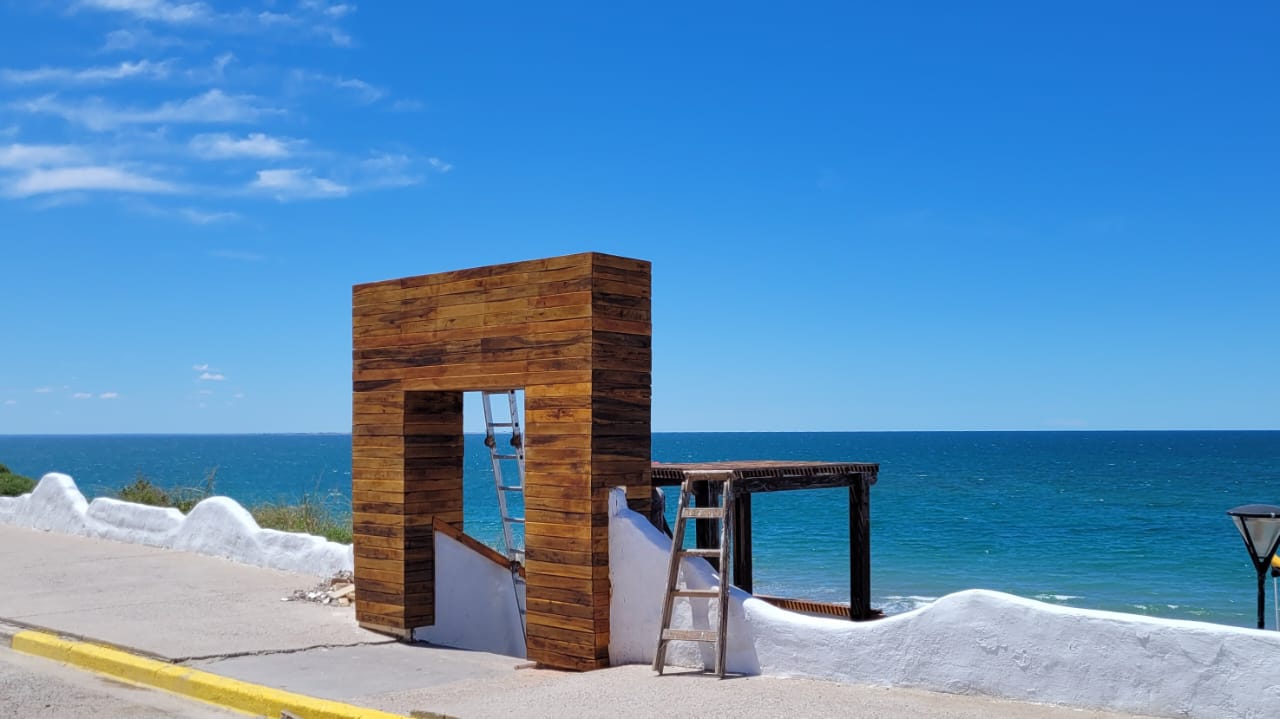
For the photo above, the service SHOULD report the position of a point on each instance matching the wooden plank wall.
(575, 333)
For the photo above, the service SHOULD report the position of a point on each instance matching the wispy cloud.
(142, 69)
(296, 184)
(213, 106)
(177, 13)
(109, 395)
(10, 402)
(308, 19)
(211, 377)
(355, 88)
(81, 395)
(219, 146)
(389, 170)
(138, 38)
(200, 217)
(194, 101)
(88, 178)
(25, 157)
(43, 390)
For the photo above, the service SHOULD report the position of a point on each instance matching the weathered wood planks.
(575, 333)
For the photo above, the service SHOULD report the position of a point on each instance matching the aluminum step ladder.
(685, 512)
(513, 540)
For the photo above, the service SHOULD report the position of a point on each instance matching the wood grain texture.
(575, 333)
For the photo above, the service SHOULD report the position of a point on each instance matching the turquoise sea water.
(1127, 521)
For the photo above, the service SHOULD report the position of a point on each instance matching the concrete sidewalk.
(228, 620)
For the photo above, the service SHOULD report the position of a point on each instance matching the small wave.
(898, 604)
(1057, 597)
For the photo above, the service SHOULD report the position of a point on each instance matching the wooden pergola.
(752, 477)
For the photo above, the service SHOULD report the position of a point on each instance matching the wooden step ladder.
(685, 512)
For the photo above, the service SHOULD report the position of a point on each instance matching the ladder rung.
(701, 552)
(514, 520)
(506, 456)
(704, 593)
(689, 635)
(703, 513)
(502, 424)
(511, 487)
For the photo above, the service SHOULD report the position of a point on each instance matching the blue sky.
(907, 216)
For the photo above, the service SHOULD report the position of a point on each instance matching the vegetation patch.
(311, 514)
(12, 485)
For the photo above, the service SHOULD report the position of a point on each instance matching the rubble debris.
(338, 589)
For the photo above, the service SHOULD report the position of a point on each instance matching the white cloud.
(31, 156)
(109, 395)
(363, 92)
(139, 37)
(176, 13)
(122, 71)
(388, 170)
(91, 178)
(293, 184)
(439, 164)
(238, 395)
(312, 19)
(81, 395)
(43, 390)
(211, 377)
(200, 367)
(200, 217)
(214, 106)
(255, 144)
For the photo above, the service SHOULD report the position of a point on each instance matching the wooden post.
(742, 541)
(707, 531)
(859, 550)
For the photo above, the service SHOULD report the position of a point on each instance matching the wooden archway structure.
(575, 333)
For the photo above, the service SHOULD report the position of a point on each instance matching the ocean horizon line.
(707, 432)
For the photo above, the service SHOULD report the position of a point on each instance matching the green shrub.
(12, 485)
(313, 515)
(143, 491)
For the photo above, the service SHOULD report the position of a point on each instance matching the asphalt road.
(36, 688)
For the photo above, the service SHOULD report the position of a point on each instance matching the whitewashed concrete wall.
(475, 602)
(217, 526)
(972, 642)
(475, 599)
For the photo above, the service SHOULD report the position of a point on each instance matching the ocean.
(1125, 521)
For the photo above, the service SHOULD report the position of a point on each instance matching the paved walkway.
(230, 620)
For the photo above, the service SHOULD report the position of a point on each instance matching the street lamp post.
(1259, 526)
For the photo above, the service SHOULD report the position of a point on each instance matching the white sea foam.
(900, 604)
(1057, 597)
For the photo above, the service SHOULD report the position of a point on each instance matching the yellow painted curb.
(193, 683)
